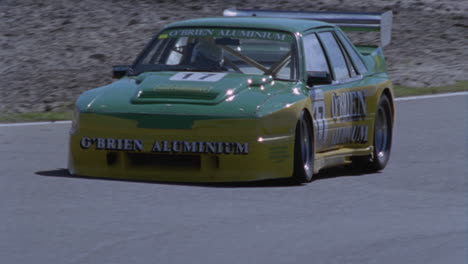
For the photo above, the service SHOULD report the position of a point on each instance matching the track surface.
(415, 211)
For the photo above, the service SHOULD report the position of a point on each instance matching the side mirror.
(119, 71)
(318, 78)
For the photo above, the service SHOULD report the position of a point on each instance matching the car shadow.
(338, 172)
(323, 175)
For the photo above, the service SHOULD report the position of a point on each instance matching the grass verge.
(34, 117)
(400, 91)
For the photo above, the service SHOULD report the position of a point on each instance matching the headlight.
(75, 121)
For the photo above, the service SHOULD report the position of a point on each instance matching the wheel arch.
(312, 127)
(301, 172)
(387, 92)
(309, 115)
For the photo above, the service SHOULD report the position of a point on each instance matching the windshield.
(247, 51)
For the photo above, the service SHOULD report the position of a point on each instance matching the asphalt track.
(415, 211)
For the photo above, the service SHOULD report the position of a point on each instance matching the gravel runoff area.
(53, 50)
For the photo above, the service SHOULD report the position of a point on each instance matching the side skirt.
(341, 156)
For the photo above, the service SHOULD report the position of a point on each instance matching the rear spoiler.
(347, 21)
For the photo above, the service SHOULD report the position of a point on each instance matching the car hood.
(185, 93)
(188, 87)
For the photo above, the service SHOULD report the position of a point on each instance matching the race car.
(249, 96)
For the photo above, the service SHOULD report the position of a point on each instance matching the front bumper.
(268, 156)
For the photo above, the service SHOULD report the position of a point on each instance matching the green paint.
(235, 97)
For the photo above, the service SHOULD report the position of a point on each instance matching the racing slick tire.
(303, 150)
(383, 125)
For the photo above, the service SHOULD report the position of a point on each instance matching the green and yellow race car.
(249, 96)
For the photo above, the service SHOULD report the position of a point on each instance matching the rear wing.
(347, 21)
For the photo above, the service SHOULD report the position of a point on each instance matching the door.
(335, 106)
(346, 97)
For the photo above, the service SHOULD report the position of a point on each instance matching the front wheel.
(382, 139)
(303, 150)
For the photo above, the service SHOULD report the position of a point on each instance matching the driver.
(207, 55)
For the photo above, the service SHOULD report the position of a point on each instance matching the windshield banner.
(226, 33)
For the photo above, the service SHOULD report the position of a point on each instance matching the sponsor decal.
(190, 32)
(348, 135)
(279, 153)
(348, 106)
(320, 120)
(201, 147)
(228, 33)
(252, 34)
(111, 144)
(166, 146)
(197, 76)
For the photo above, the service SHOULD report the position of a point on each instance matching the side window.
(314, 57)
(351, 68)
(337, 59)
(353, 54)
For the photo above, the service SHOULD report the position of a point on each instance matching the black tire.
(383, 127)
(303, 150)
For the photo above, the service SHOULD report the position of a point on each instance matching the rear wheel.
(382, 139)
(303, 150)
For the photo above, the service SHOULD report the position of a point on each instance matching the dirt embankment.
(51, 51)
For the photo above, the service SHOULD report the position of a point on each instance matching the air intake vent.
(164, 161)
(179, 95)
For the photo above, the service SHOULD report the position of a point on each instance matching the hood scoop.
(178, 94)
(160, 89)
(193, 87)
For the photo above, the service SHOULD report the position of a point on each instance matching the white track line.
(34, 123)
(409, 98)
(429, 96)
